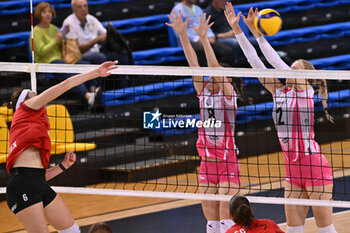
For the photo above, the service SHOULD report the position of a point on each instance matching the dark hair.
(42, 6)
(237, 83)
(241, 211)
(322, 84)
(100, 227)
(14, 98)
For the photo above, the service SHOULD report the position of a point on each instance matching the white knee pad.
(297, 229)
(327, 229)
(73, 229)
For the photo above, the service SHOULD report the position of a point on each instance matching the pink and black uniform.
(218, 143)
(293, 114)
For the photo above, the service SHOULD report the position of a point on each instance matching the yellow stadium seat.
(6, 113)
(62, 132)
(4, 140)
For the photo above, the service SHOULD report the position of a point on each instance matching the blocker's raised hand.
(203, 25)
(231, 16)
(177, 24)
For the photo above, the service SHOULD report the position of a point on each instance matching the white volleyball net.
(140, 138)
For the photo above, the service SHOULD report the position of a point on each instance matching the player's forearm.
(53, 172)
(57, 90)
(249, 51)
(271, 55)
(190, 54)
(255, 32)
(209, 53)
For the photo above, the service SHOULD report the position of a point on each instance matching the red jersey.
(258, 226)
(29, 128)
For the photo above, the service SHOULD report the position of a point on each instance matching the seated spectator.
(90, 33)
(100, 227)
(48, 49)
(242, 215)
(191, 11)
(222, 30)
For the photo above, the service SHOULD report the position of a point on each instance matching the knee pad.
(73, 229)
(297, 229)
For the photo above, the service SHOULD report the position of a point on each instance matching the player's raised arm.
(271, 84)
(52, 93)
(180, 27)
(270, 54)
(202, 31)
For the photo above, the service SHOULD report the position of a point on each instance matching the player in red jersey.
(242, 215)
(28, 194)
(308, 173)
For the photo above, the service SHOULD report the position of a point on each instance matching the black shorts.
(26, 187)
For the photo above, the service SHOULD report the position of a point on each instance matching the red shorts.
(312, 170)
(215, 172)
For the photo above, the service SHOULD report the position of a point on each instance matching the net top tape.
(179, 71)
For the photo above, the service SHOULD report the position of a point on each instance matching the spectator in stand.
(222, 51)
(222, 30)
(48, 49)
(90, 34)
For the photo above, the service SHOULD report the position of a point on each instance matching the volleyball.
(268, 22)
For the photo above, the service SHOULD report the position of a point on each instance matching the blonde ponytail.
(322, 83)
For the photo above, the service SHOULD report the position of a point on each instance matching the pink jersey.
(217, 142)
(293, 114)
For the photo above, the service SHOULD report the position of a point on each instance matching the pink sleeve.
(249, 52)
(271, 55)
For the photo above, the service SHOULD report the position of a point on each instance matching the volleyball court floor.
(137, 214)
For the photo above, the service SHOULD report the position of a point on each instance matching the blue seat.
(158, 56)
(141, 24)
(132, 95)
(340, 62)
(13, 40)
(310, 34)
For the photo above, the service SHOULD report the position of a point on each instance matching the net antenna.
(32, 65)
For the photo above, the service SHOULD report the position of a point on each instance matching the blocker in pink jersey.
(308, 174)
(218, 143)
(293, 115)
(219, 170)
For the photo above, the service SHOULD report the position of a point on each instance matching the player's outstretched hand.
(106, 67)
(249, 20)
(231, 16)
(203, 25)
(177, 24)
